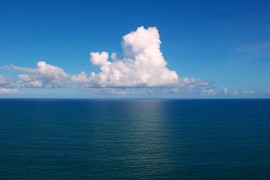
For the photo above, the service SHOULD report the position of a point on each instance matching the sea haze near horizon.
(134, 139)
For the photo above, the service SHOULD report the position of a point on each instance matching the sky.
(153, 48)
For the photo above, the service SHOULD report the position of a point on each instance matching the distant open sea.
(134, 139)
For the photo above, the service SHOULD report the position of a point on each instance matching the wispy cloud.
(8, 90)
(225, 90)
(7, 82)
(248, 92)
(255, 49)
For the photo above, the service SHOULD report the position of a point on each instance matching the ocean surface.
(134, 139)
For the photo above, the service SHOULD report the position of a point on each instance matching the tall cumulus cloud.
(142, 66)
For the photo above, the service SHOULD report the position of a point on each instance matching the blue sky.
(225, 44)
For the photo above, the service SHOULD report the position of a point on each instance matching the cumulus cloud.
(43, 75)
(141, 70)
(80, 79)
(142, 66)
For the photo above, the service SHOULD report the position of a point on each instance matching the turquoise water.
(134, 139)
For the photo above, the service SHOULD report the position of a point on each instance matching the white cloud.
(3, 81)
(7, 91)
(28, 81)
(80, 79)
(100, 59)
(7, 82)
(225, 90)
(192, 86)
(142, 70)
(44, 75)
(208, 92)
(248, 92)
(142, 66)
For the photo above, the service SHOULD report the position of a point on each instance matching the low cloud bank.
(143, 69)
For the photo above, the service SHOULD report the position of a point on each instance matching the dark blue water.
(134, 139)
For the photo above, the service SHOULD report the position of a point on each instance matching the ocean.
(134, 139)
